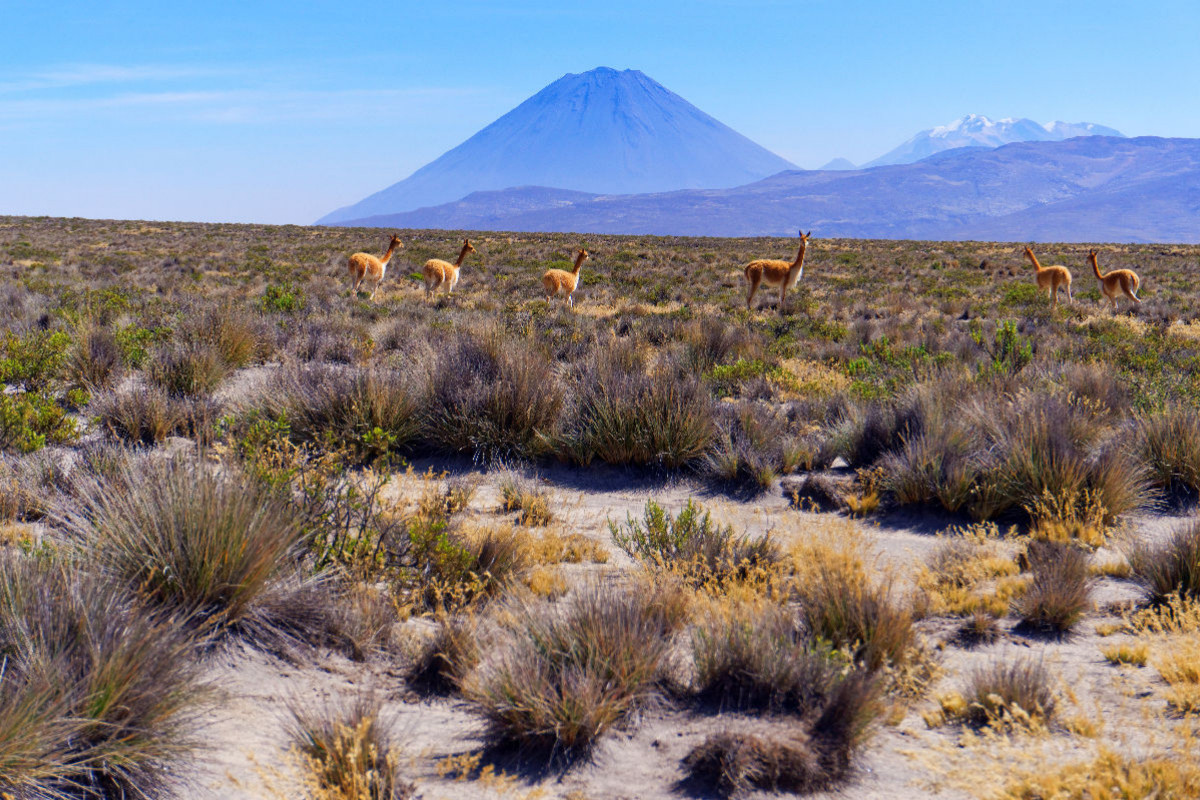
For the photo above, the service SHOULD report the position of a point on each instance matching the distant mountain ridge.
(1093, 188)
(976, 130)
(599, 131)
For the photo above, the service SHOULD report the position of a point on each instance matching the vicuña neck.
(1095, 267)
(388, 255)
(462, 254)
(578, 263)
(799, 262)
(1033, 258)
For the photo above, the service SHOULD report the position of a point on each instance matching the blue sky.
(280, 112)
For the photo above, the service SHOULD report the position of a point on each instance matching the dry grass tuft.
(532, 501)
(217, 552)
(1126, 653)
(348, 751)
(442, 662)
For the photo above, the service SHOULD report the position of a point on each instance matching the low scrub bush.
(97, 699)
(31, 420)
(570, 674)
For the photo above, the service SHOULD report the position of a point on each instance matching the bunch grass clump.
(568, 675)
(1059, 593)
(493, 398)
(1171, 569)
(1016, 695)
(197, 544)
(97, 698)
(187, 369)
(370, 410)
(625, 413)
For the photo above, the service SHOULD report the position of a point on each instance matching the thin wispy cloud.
(69, 76)
(237, 106)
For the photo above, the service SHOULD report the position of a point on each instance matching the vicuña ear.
(808, 234)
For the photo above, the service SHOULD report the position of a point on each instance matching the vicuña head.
(1050, 278)
(439, 273)
(366, 267)
(557, 281)
(776, 273)
(1119, 281)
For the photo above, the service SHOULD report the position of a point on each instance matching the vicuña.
(559, 280)
(1050, 278)
(364, 266)
(776, 273)
(1119, 281)
(440, 273)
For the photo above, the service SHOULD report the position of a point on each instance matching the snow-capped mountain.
(603, 131)
(976, 130)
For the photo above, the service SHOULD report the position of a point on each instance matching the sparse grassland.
(725, 549)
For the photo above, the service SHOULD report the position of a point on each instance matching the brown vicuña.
(364, 266)
(776, 273)
(440, 273)
(1119, 281)
(559, 280)
(1050, 278)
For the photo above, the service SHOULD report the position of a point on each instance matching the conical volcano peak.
(607, 131)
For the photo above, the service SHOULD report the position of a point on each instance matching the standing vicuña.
(559, 280)
(364, 266)
(440, 273)
(1119, 281)
(776, 273)
(1050, 278)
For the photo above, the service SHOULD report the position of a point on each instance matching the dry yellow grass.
(1109, 776)
(1127, 653)
(970, 574)
(1178, 662)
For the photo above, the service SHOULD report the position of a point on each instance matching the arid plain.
(913, 534)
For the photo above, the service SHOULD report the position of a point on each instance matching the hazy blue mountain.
(840, 163)
(976, 130)
(1093, 188)
(599, 131)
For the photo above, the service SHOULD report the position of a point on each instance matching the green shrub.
(691, 544)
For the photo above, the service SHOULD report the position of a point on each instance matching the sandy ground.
(248, 755)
